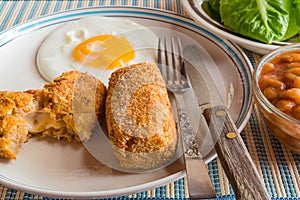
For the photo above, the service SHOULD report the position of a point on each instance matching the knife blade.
(231, 150)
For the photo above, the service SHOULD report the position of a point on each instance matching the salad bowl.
(208, 19)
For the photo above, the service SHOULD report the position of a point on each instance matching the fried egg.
(97, 45)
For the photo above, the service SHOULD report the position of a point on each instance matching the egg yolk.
(104, 51)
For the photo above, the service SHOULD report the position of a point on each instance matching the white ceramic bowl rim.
(194, 9)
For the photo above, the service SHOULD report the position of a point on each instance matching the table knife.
(230, 148)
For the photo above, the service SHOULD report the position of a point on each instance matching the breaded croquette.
(13, 128)
(67, 108)
(140, 122)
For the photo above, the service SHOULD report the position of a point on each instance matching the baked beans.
(279, 81)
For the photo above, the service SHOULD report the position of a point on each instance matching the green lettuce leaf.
(263, 20)
(294, 20)
(212, 8)
(296, 13)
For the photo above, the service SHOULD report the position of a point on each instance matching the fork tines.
(170, 59)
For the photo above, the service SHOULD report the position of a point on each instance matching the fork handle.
(199, 183)
(234, 156)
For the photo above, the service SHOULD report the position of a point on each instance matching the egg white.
(55, 53)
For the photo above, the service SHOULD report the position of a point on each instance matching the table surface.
(278, 166)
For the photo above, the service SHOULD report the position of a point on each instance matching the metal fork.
(176, 79)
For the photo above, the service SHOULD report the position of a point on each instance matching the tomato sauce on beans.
(279, 81)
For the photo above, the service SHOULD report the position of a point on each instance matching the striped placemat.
(279, 167)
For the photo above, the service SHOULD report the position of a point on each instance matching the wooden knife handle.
(234, 156)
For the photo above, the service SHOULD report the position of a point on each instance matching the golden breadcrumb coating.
(67, 108)
(18, 103)
(72, 104)
(140, 122)
(13, 129)
(13, 134)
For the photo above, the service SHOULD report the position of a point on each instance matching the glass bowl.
(283, 125)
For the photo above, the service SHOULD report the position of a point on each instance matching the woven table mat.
(278, 166)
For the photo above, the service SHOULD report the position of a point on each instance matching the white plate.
(60, 169)
(194, 9)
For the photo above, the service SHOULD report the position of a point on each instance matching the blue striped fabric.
(29, 9)
(279, 167)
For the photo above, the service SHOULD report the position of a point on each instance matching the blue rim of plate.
(235, 53)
